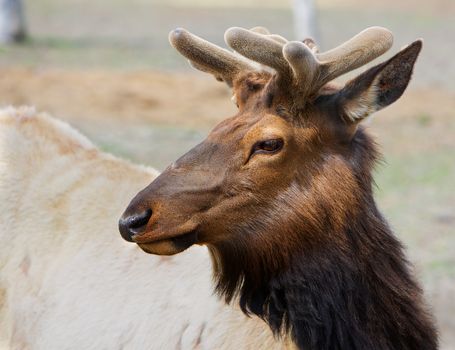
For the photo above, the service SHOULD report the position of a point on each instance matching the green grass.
(402, 173)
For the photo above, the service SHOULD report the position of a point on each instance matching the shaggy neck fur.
(359, 295)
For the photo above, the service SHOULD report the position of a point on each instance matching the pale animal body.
(68, 281)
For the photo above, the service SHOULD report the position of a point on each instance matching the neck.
(360, 296)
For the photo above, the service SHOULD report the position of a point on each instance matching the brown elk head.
(292, 165)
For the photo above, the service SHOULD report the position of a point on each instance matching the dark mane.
(348, 287)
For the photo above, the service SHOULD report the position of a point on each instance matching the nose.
(133, 225)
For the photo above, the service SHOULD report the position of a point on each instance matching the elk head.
(292, 164)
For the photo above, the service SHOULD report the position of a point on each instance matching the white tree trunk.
(12, 21)
(305, 19)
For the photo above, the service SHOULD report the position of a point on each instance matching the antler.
(298, 64)
(314, 70)
(205, 56)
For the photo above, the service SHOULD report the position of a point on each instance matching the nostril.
(139, 221)
(133, 225)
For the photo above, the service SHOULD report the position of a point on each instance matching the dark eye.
(267, 146)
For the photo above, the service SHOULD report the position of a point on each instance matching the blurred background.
(107, 68)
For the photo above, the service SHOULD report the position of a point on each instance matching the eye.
(267, 146)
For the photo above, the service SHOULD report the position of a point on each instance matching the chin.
(170, 246)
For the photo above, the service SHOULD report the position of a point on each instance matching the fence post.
(12, 21)
(305, 19)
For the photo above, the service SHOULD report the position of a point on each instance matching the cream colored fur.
(68, 280)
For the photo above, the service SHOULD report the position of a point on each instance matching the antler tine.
(257, 47)
(311, 44)
(313, 70)
(266, 32)
(208, 57)
(354, 53)
(305, 66)
(278, 38)
(260, 30)
(204, 69)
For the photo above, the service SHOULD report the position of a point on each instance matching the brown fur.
(295, 232)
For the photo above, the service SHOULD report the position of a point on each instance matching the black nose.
(133, 225)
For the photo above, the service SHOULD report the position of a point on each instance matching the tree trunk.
(12, 21)
(305, 19)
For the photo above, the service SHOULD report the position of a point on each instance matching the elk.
(281, 193)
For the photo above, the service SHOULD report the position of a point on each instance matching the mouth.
(170, 246)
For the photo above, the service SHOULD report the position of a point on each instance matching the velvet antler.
(298, 65)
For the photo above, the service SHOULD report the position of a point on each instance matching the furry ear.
(379, 86)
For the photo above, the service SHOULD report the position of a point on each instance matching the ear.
(379, 86)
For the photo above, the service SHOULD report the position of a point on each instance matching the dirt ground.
(131, 94)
